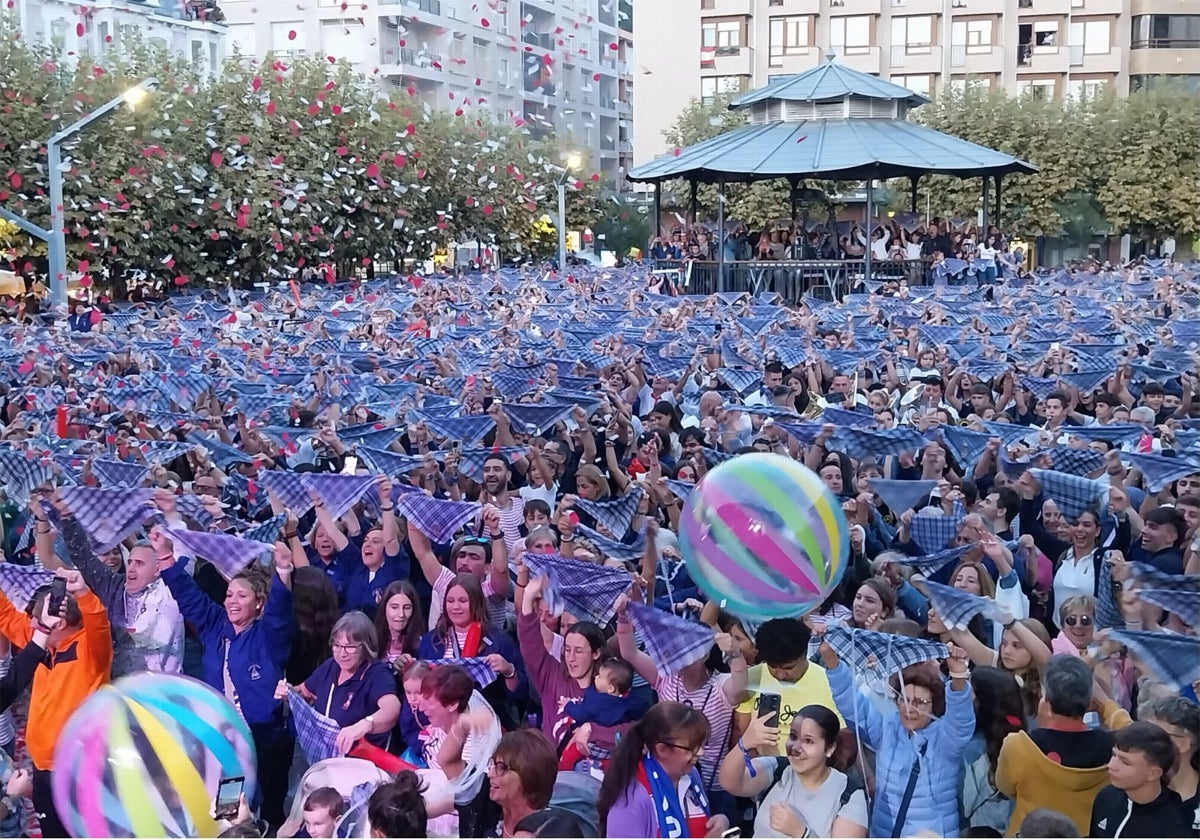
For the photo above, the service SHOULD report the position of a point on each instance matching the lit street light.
(55, 236)
(573, 162)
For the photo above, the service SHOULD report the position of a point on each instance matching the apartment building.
(190, 29)
(561, 65)
(1053, 48)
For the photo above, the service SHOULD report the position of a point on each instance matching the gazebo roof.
(842, 149)
(829, 82)
(828, 122)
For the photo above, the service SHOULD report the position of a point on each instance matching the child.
(607, 703)
(322, 810)
(1136, 802)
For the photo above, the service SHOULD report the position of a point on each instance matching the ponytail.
(621, 771)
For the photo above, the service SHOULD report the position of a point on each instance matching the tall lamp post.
(55, 237)
(573, 162)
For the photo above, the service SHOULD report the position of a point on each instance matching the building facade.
(190, 30)
(1052, 48)
(560, 65)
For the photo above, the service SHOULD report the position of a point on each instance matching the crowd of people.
(423, 532)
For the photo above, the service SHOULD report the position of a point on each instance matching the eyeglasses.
(1082, 620)
(694, 752)
(918, 702)
(344, 648)
(498, 767)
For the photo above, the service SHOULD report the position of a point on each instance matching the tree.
(266, 170)
(757, 203)
(1133, 160)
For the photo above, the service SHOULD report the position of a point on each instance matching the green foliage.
(1125, 163)
(265, 169)
(754, 204)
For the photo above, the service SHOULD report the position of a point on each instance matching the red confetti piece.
(487, 209)
(484, 23)
(14, 180)
(802, 138)
(216, 159)
(399, 161)
(255, 84)
(84, 281)
(314, 109)
(270, 108)
(372, 170)
(595, 77)
(335, 109)
(614, 46)
(182, 281)
(79, 29)
(291, 34)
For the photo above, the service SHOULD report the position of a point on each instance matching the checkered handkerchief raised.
(227, 553)
(1173, 658)
(671, 643)
(883, 654)
(956, 608)
(964, 444)
(266, 532)
(1075, 461)
(1154, 578)
(859, 443)
(933, 532)
(1182, 602)
(386, 462)
(931, 564)
(222, 454)
(119, 473)
(289, 487)
(108, 516)
(21, 472)
(469, 430)
(534, 419)
(437, 519)
(900, 496)
(338, 492)
(586, 589)
(615, 514)
(612, 548)
(477, 667)
(1160, 470)
(1072, 493)
(316, 733)
(18, 583)
(190, 506)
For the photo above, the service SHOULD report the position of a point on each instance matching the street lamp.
(55, 237)
(573, 162)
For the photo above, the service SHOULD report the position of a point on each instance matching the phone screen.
(229, 792)
(350, 467)
(768, 707)
(58, 594)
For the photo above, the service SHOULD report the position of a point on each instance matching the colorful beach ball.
(763, 537)
(143, 757)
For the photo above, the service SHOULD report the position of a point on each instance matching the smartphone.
(58, 594)
(768, 706)
(455, 445)
(350, 467)
(736, 831)
(229, 794)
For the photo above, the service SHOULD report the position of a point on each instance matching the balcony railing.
(1166, 44)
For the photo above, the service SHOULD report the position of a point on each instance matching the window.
(961, 84)
(916, 31)
(343, 39)
(721, 33)
(287, 37)
(243, 39)
(1187, 81)
(972, 33)
(713, 86)
(917, 84)
(790, 36)
(1166, 31)
(197, 53)
(1087, 88)
(708, 4)
(1036, 88)
(1092, 36)
(850, 35)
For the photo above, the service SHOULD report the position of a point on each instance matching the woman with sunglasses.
(651, 787)
(919, 742)
(353, 687)
(1077, 617)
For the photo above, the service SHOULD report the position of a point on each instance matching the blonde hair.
(592, 473)
(1086, 603)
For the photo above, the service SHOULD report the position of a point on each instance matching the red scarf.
(470, 648)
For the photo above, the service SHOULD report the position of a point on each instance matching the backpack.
(853, 783)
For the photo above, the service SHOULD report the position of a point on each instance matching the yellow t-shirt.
(812, 688)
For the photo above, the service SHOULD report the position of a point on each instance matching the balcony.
(1085, 62)
(1180, 57)
(913, 60)
(977, 59)
(862, 59)
(918, 7)
(727, 61)
(855, 7)
(726, 8)
(1031, 59)
(1098, 7)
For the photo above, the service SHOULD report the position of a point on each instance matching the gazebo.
(834, 123)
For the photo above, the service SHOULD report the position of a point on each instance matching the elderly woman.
(919, 743)
(353, 687)
(521, 776)
(1077, 618)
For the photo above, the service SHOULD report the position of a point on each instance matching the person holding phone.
(79, 656)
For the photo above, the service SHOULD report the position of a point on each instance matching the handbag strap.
(902, 814)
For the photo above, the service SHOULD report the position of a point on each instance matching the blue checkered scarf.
(672, 643)
(883, 654)
(438, 519)
(615, 514)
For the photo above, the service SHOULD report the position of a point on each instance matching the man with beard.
(484, 556)
(509, 506)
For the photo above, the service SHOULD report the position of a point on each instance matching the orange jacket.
(78, 665)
